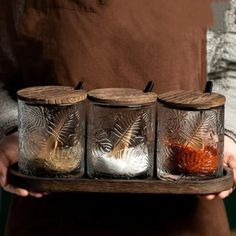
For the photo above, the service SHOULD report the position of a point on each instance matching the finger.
(3, 158)
(9, 154)
(18, 191)
(209, 196)
(21, 192)
(37, 195)
(3, 179)
(225, 194)
(230, 161)
(3, 172)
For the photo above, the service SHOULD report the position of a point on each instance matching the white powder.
(131, 162)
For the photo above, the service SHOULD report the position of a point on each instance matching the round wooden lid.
(121, 96)
(191, 99)
(51, 95)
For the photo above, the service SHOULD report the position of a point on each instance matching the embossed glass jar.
(190, 135)
(121, 133)
(51, 131)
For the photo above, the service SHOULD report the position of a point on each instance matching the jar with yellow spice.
(51, 131)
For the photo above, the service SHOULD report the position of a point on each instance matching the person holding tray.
(105, 43)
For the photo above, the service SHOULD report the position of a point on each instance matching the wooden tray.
(153, 186)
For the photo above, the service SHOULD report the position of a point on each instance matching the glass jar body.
(51, 139)
(120, 141)
(190, 143)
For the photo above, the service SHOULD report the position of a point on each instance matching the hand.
(230, 161)
(9, 155)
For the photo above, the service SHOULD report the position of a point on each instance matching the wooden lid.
(191, 99)
(121, 96)
(51, 95)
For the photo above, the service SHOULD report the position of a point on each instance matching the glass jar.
(190, 133)
(121, 133)
(51, 131)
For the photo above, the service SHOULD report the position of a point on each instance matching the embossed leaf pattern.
(197, 126)
(102, 142)
(125, 131)
(220, 120)
(147, 129)
(32, 124)
(32, 114)
(60, 128)
(62, 145)
(175, 121)
(164, 164)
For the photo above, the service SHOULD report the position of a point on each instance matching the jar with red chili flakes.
(190, 135)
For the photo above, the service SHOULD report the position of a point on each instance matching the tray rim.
(149, 186)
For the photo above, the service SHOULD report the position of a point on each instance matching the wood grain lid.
(121, 96)
(191, 99)
(51, 95)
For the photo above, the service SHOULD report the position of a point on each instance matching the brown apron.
(114, 43)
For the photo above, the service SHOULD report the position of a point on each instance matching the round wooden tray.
(153, 186)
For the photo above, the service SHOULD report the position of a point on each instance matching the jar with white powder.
(121, 133)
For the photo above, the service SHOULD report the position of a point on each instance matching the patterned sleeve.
(221, 52)
(8, 111)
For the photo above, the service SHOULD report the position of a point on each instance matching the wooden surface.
(153, 186)
(51, 95)
(121, 96)
(191, 99)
